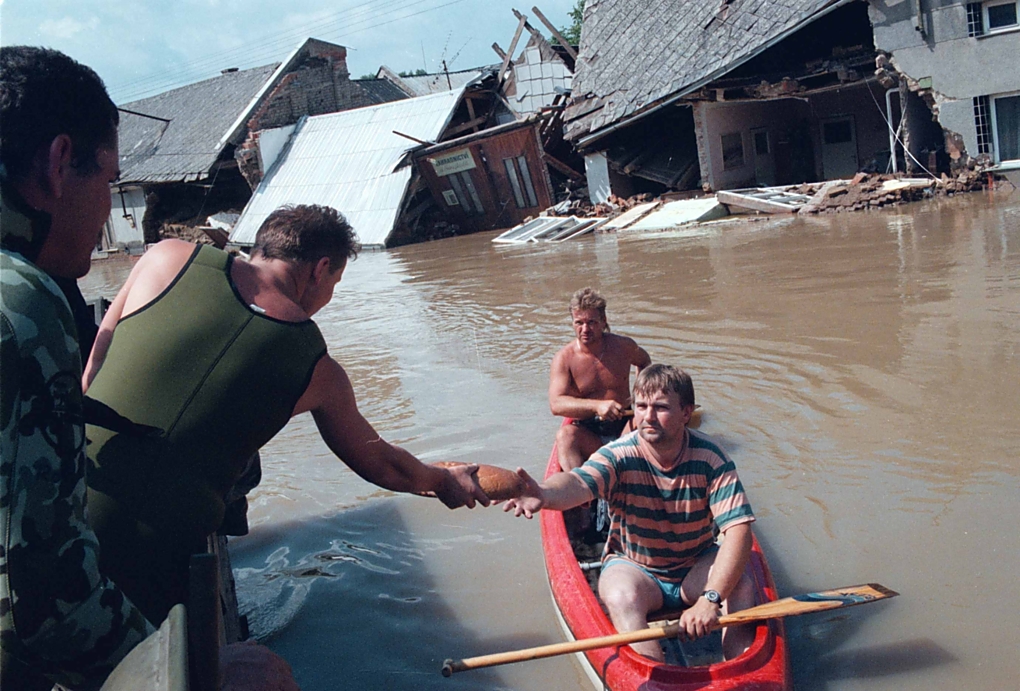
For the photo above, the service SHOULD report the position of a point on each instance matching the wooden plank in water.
(745, 200)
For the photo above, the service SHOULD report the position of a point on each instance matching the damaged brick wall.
(918, 121)
(319, 83)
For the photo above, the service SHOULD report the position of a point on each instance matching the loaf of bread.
(499, 484)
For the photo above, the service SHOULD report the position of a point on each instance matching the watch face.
(712, 596)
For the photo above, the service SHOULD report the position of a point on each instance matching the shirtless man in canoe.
(590, 381)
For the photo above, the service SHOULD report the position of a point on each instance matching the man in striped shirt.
(670, 490)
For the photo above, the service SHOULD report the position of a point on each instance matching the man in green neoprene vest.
(209, 356)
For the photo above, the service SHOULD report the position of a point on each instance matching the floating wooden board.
(681, 212)
(773, 200)
(630, 216)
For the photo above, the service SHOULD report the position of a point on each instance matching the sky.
(144, 47)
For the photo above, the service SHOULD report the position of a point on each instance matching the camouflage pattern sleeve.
(58, 615)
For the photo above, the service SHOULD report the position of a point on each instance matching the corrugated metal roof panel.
(347, 161)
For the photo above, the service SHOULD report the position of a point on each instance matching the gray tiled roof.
(636, 53)
(379, 90)
(200, 116)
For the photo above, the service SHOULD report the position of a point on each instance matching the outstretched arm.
(559, 492)
(330, 398)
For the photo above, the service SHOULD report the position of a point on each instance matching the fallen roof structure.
(354, 161)
(629, 65)
(415, 85)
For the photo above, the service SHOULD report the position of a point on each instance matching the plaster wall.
(719, 119)
(126, 212)
(271, 144)
(868, 112)
(786, 120)
(596, 168)
(960, 67)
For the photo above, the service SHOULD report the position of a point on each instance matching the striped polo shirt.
(663, 521)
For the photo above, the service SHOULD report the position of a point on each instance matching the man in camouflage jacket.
(60, 619)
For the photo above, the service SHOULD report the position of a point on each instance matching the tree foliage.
(573, 32)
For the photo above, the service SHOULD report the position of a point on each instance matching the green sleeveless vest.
(213, 378)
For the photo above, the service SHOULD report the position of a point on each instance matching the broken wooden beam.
(562, 167)
(510, 51)
(469, 125)
(413, 139)
(556, 34)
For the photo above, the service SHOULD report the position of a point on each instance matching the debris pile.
(866, 191)
(182, 231)
(863, 191)
(583, 208)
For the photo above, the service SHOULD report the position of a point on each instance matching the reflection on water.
(861, 369)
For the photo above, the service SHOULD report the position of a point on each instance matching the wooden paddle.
(630, 411)
(786, 607)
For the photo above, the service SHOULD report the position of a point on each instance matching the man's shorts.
(607, 430)
(671, 598)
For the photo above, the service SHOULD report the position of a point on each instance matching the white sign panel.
(451, 197)
(453, 162)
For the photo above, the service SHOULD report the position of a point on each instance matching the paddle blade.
(811, 602)
(786, 607)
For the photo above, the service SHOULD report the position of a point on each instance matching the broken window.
(761, 143)
(983, 124)
(529, 188)
(466, 193)
(520, 180)
(1000, 15)
(975, 24)
(732, 151)
(1006, 114)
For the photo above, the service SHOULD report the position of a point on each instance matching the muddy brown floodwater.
(861, 369)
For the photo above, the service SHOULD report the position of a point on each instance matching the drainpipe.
(919, 20)
(892, 132)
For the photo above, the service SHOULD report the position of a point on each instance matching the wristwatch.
(713, 596)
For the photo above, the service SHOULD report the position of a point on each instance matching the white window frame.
(995, 3)
(995, 127)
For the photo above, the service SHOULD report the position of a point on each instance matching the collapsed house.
(471, 150)
(725, 94)
(396, 169)
(721, 95)
(193, 151)
(538, 84)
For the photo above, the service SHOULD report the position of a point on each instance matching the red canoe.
(763, 667)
